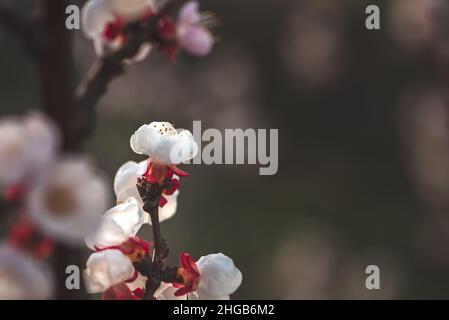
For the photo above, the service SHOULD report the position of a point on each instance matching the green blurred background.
(363, 142)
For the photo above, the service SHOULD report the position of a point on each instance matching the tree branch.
(56, 71)
(151, 195)
(95, 84)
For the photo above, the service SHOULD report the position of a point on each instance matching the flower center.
(60, 201)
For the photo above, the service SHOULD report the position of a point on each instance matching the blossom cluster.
(59, 197)
(105, 22)
(114, 268)
(63, 199)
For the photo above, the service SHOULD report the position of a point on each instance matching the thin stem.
(96, 82)
(157, 238)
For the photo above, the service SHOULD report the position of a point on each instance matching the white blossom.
(106, 269)
(163, 143)
(193, 36)
(125, 186)
(27, 146)
(22, 278)
(219, 278)
(98, 14)
(67, 201)
(43, 140)
(118, 225)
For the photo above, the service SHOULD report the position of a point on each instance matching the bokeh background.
(363, 119)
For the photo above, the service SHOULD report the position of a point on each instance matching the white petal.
(43, 141)
(167, 292)
(144, 51)
(126, 179)
(140, 282)
(131, 9)
(118, 225)
(218, 276)
(95, 15)
(204, 295)
(169, 210)
(163, 143)
(22, 278)
(145, 140)
(189, 14)
(27, 146)
(13, 144)
(106, 269)
(196, 40)
(67, 201)
(125, 187)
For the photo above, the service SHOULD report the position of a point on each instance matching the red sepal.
(174, 185)
(190, 275)
(162, 201)
(135, 248)
(178, 171)
(14, 193)
(122, 292)
(113, 29)
(26, 236)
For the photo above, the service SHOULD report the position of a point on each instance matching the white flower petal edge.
(67, 201)
(13, 158)
(219, 277)
(166, 291)
(131, 9)
(118, 225)
(22, 278)
(28, 146)
(169, 210)
(125, 186)
(193, 36)
(163, 143)
(189, 14)
(139, 283)
(97, 14)
(106, 269)
(94, 17)
(43, 140)
(125, 180)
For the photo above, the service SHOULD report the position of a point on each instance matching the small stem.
(95, 84)
(157, 238)
(151, 287)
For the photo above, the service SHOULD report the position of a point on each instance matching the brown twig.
(151, 194)
(153, 267)
(106, 69)
(56, 71)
